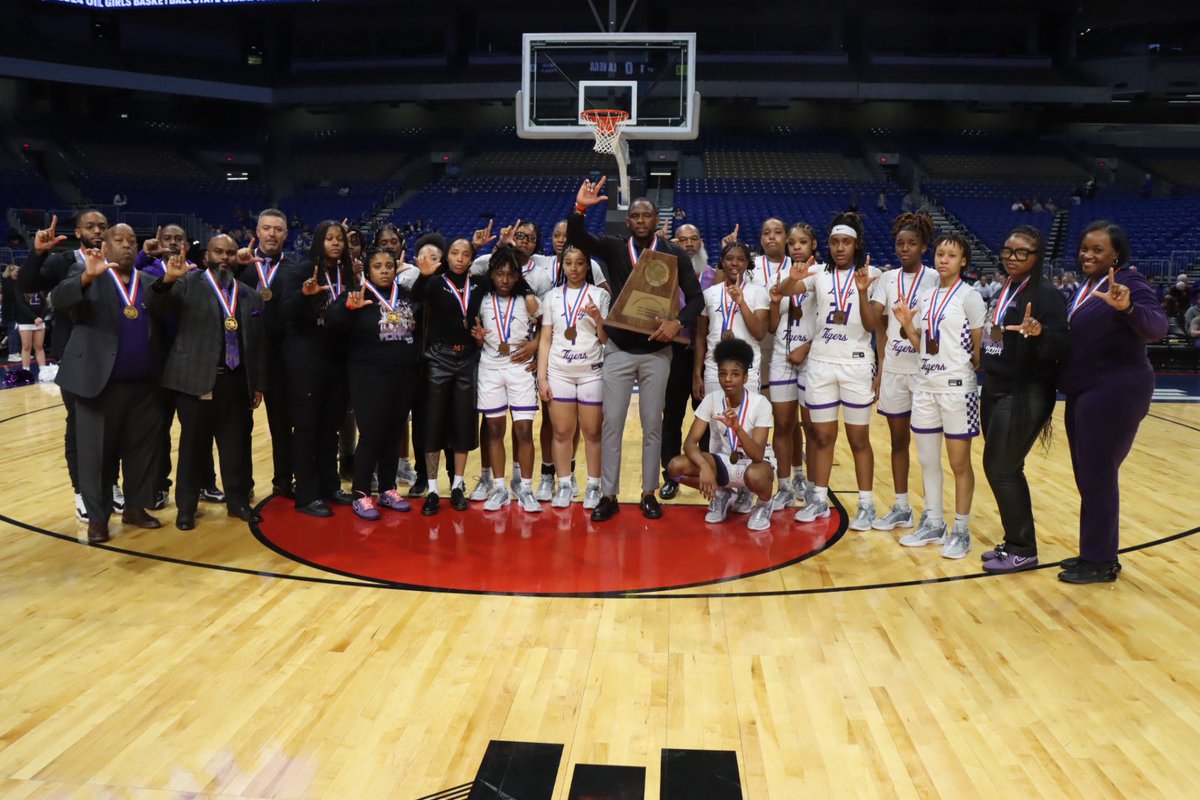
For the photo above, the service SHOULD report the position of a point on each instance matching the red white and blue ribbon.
(463, 297)
(743, 414)
(265, 279)
(841, 297)
(389, 305)
(729, 306)
(1007, 298)
(633, 253)
(784, 266)
(504, 320)
(334, 291)
(911, 296)
(571, 312)
(1081, 296)
(228, 303)
(128, 297)
(937, 311)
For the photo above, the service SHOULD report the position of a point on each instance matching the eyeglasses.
(1020, 253)
(523, 237)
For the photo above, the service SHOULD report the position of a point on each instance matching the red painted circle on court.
(556, 552)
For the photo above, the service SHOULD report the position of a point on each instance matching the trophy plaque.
(650, 294)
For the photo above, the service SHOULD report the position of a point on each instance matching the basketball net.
(606, 125)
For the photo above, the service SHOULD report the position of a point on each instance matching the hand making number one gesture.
(246, 254)
(1029, 326)
(862, 276)
(312, 286)
(95, 262)
(46, 240)
(732, 236)
(483, 237)
(176, 266)
(1116, 295)
(589, 193)
(355, 300)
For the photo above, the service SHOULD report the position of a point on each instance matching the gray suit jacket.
(90, 353)
(191, 366)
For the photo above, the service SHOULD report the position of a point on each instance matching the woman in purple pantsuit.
(1108, 381)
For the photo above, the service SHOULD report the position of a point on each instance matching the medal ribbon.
(841, 298)
(784, 265)
(742, 415)
(1007, 298)
(329, 284)
(389, 304)
(129, 297)
(937, 311)
(571, 313)
(911, 296)
(463, 297)
(228, 304)
(729, 308)
(265, 279)
(633, 253)
(504, 321)
(1081, 296)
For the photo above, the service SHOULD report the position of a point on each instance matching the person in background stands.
(111, 372)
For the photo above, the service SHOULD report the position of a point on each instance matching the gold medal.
(393, 317)
(265, 292)
(231, 324)
(727, 335)
(466, 327)
(839, 317)
(130, 312)
(997, 334)
(570, 333)
(504, 348)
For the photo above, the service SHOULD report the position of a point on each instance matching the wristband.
(581, 210)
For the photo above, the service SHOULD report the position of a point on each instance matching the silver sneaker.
(896, 518)
(562, 497)
(743, 502)
(810, 492)
(514, 482)
(119, 500)
(497, 499)
(80, 509)
(800, 487)
(814, 508)
(545, 488)
(958, 544)
(863, 519)
(718, 508)
(591, 498)
(760, 516)
(925, 534)
(406, 475)
(528, 502)
(784, 498)
(574, 487)
(482, 490)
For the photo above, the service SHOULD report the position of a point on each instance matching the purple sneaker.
(993, 555)
(1010, 562)
(392, 499)
(364, 508)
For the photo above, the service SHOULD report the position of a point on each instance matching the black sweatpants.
(317, 387)
(382, 398)
(1011, 424)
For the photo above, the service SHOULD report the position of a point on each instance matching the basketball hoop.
(606, 124)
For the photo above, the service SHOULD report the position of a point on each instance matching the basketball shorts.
(504, 389)
(733, 476)
(582, 389)
(954, 414)
(895, 394)
(784, 388)
(847, 385)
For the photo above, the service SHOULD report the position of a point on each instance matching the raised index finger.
(53, 223)
(158, 233)
(1112, 278)
(1028, 311)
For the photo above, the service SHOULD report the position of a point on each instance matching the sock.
(902, 501)
(929, 454)
(486, 474)
(433, 485)
(526, 484)
(592, 481)
(404, 462)
(866, 498)
(498, 481)
(961, 520)
(517, 471)
(547, 469)
(456, 483)
(565, 482)
(821, 493)
(797, 473)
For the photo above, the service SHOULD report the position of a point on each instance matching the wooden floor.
(856, 673)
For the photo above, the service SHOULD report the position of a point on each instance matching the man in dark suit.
(110, 366)
(43, 270)
(258, 267)
(216, 365)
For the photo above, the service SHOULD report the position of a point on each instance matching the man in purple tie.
(217, 368)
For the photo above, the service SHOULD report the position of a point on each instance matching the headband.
(844, 230)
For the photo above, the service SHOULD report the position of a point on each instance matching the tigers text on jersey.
(585, 354)
(950, 369)
(846, 342)
(901, 357)
(756, 298)
(794, 330)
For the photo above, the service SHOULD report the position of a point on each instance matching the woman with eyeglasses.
(1111, 316)
(1025, 339)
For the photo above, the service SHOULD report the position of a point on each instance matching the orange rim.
(604, 119)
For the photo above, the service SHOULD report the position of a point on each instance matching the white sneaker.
(810, 493)
(813, 509)
(863, 519)
(718, 509)
(562, 497)
(743, 502)
(80, 509)
(591, 498)
(800, 487)
(528, 502)
(760, 517)
(896, 518)
(545, 489)
(498, 499)
(574, 487)
(482, 490)
(925, 534)
(514, 482)
(406, 475)
(958, 543)
(14, 358)
(118, 500)
(784, 498)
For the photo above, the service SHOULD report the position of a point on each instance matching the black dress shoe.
(650, 507)
(669, 489)
(1082, 571)
(316, 508)
(458, 499)
(245, 514)
(419, 488)
(185, 522)
(1073, 563)
(606, 510)
(341, 498)
(138, 518)
(97, 532)
(431, 506)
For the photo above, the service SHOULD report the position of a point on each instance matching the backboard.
(652, 76)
